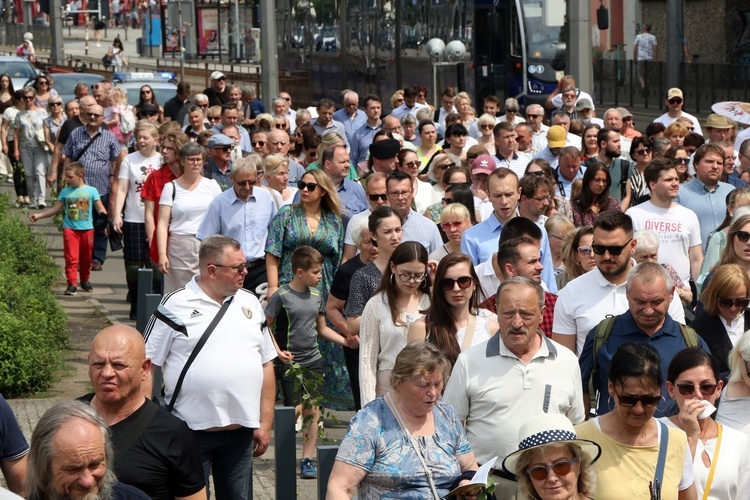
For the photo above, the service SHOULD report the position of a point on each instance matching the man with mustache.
(499, 384)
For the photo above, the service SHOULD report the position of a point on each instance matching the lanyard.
(713, 465)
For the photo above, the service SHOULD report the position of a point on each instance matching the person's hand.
(117, 223)
(16, 155)
(353, 341)
(5, 149)
(432, 266)
(262, 438)
(51, 179)
(33, 217)
(164, 265)
(689, 416)
(285, 356)
(464, 482)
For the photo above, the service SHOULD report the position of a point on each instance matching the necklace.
(313, 221)
(408, 301)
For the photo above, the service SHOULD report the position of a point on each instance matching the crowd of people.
(569, 299)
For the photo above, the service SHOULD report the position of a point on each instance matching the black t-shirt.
(165, 461)
(216, 99)
(172, 108)
(340, 285)
(67, 128)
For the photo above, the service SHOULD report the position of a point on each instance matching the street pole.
(269, 61)
(675, 30)
(579, 29)
(237, 30)
(57, 16)
(180, 32)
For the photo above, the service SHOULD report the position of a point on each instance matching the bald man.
(155, 451)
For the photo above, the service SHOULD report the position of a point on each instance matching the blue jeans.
(100, 237)
(229, 454)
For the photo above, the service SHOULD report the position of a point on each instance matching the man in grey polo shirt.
(416, 227)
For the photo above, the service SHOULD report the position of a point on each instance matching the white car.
(164, 85)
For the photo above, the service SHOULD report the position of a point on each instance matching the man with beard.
(588, 299)
(609, 154)
(71, 457)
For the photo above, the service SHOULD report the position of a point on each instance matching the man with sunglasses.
(376, 197)
(227, 397)
(278, 143)
(674, 103)
(498, 385)
(677, 227)
(649, 292)
(588, 299)
(219, 164)
(74, 121)
(217, 90)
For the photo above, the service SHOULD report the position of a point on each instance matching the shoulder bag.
(86, 147)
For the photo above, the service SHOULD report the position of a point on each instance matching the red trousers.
(78, 247)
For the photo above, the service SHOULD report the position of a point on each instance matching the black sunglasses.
(689, 389)
(726, 303)
(743, 236)
(247, 183)
(310, 186)
(258, 143)
(376, 197)
(226, 149)
(643, 151)
(629, 401)
(148, 113)
(682, 160)
(447, 201)
(464, 282)
(676, 100)
(612, 249)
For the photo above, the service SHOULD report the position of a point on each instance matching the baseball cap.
(216, 75)
(625, 113)
(584, 103)
(483, 164)
(556, 136)
(674, 92)
(717, 121)
(219, 140)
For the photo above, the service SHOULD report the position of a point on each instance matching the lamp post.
(443, 55)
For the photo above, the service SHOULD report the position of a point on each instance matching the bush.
(33, 330)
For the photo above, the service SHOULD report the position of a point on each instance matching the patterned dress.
(289, 230)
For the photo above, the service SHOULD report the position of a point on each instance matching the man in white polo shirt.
(588, 299)
(497, 385)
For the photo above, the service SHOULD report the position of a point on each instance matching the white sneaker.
(98, 44)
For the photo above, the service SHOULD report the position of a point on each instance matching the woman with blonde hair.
(455, 219)
(734, 410)
(486, 126)
(463, 106)
(577, 255)
(676, 133)
(738, 204)
(276, 169)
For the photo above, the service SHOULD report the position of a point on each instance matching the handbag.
(106, 60)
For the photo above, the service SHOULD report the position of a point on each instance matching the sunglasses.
(464, 282)
(689, 389)
(447, 226)
(247, 183)
(584, 250)
(29, 97)
(537, 173)
(743, 236)
(376, 197)
(612, 249)
(310, 186)
(399, 100)
(288, 99)
(415, 163)
(487, 127)
(630, 401)
(214, 118)
(312, 154)
(226, 149)
(540, 472)
(148, 113)
(728, 303)
(682, 160)
(258, 143)
(94, 115)
(644, 152)
(145, 92)
(447, 201)
(202, 105)
(281, 126)
(676, 100)
(55, 104)
(43, 83)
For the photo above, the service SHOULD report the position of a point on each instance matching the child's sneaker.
(71, 290)
(307, 469)
(86, 286)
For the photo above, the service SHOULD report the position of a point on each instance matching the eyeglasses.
(238, 269)
(376, 197)
(743, 236)
(533, 116)
(213, 118)
(251, 183)
(584, 250)
(727, 303)
(644, 152)
(145, 92)
(258, 143)
(194, 159)
(689, 389)
(561, 468)
(464, 282)
(612, 249)
(630, 401)
(542, 199)
(310, 186)
(94, 115)
(447, 201)
(399, 194)
(281, 126)
(415, 163)
(676, 100)
(448, 226)
(202, 105)
(416, 278)
(226, 149)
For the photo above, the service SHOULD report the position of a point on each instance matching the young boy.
(296, 314)
(79, 200)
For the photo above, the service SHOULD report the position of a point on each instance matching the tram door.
(492, 49)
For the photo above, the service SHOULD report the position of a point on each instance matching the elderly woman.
(406, 444)
(577, 254)
(551, 462)
(557, 227)
(409, 126)
(276, 169)
(647, 250)
(721, 455)
(632, 440)
(734, 410)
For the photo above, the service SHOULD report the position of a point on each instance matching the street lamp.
(443, 55)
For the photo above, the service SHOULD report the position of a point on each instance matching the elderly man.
(416, 227)
(243, 213)
(555, 101)
(363, 136)
(217, 90)
(251, 107)
(219, 164)
(156, 451)
(588, 299)
(97, 149)
(383, 155)
(535, 117)
(613, 119)
(524, 134)
(557, 138)
(72, 456)
(290, 113)
(233, 132)
(325, 124)
(497, 385)
(585, 111)
(230, 410)
(13, 449)
(743, 152)
(278, 143)
(230, 115)
(649, 290)
(674, 102)
(350, 115)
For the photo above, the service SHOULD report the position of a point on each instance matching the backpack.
(604, 329)
(127, 120)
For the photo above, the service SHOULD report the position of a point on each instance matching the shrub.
(33, 330)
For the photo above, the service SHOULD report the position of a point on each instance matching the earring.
(664, 409)
(610, 403)
(393, 279)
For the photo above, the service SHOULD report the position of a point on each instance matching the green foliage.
(309, 384)
(32, 323)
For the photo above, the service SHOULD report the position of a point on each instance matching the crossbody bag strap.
(662, 461)
(400, 419)
(196, 350)
(87, 146)
(469, 334)
(710, 480)
(134, 430)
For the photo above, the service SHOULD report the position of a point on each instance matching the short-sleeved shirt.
(709, 206)
(67, 127)
(12, 443)
(295, 326)
(96, 159)
(645, 43)
(135, 169)
(188, 206)
(79, 207)
(343, 277)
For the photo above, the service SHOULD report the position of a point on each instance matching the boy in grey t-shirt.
(296, 315)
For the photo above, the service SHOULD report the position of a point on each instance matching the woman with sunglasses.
(594, 198)
(577, 255)
(632, 439)
(30, 147)
(403, 294)
(640, 153)
(721, 454)
(681, 158)
(454, 221)
(486, 125)
(43, 94)
(734, 407)
(738, 204)
(454, 322)
(53, 122)
(428, 147)
(147, 96)
(424, 195)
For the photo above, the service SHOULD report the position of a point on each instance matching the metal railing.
(42, 35)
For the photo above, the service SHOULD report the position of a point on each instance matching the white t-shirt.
(348, 238)
(135, 169)
(667, 120)
(9, 115)
(425, 196)
(678, 229)
(188, 207)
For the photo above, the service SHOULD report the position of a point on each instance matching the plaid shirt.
(548, 317)
(96, 160)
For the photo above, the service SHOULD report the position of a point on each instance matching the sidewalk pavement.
(108, 299)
